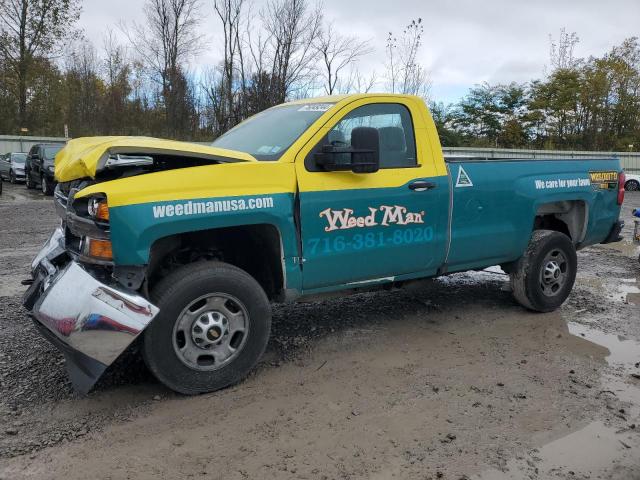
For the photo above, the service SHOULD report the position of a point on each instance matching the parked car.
(39, 167)
(12, 166)
(186, 245)
(633, 182)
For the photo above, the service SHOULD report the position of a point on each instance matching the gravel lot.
(445, 379)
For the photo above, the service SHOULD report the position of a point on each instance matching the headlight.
(98, 209)
(95, 242)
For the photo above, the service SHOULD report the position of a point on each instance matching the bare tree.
(116, 70)
(362, 84)
(404, 72)
(83, 87)
(338, 52)
(292, 27)
(31, 29)
(165, 43)
(561, 50)
(230, 14)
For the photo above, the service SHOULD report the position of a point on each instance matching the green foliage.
(592, 105)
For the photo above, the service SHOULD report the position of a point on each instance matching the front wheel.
(12, 177)
(632, 186)
(29, 181)
(544, 276)
(212, 329)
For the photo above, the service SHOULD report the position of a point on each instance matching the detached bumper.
(91, 321)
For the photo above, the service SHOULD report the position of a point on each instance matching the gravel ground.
(445, 379)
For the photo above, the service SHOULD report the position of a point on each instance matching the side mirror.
(362, 157)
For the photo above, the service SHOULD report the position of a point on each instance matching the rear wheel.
(28, 181)
(544, 276)
(12, 177)
(632, 185)
(212, 329)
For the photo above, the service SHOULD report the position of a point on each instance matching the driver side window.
(395, 129)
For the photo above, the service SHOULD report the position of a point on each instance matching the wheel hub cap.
(554, 273)
(211, 331)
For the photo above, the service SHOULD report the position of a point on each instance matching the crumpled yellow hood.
(81, 157)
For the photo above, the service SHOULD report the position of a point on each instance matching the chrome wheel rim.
(211, 331)
(44, 184)
(554, 272)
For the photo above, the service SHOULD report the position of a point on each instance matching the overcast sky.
(466, 41)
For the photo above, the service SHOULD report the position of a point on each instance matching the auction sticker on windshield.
(315, 107)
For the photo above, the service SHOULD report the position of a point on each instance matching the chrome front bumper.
(91, 321)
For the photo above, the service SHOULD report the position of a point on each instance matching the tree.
(292, 27)
(30, 29)
(561, 50)
(165, 43)
(229, 12)
(444, 117)
(116, 69)
(85, 89)
(493, 115)
(405, 73)
(336, 53)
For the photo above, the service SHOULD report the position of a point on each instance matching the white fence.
(15, 143)
(630, 160)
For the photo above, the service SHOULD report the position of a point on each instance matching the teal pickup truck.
(184, 247)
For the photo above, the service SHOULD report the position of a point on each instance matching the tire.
(632, 185)
(544, 276)
(46, 185)
(12, 177)
(175, 330)
(28, 181)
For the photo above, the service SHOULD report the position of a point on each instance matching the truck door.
(373, 227)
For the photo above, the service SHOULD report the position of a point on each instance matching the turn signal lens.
(98, 209)
(99, 249)
(102, 212)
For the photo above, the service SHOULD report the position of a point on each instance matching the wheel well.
(568, 217)
(255, 249)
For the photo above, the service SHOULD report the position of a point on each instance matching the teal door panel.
(359, 235)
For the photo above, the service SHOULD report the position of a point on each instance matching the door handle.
(421, 186)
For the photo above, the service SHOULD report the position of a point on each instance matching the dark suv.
(39, 167)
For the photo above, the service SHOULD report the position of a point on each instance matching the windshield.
(267, 135)
(19, 157)
(50, 152)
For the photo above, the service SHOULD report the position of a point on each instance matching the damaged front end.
(81, 299)
(91, 320)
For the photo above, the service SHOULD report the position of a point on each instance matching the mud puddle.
(600, 449)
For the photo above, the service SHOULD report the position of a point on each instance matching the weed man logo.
(391, 215)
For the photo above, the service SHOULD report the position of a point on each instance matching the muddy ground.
(448, 379)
